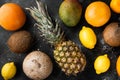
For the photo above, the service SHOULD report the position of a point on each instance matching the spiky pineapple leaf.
(51, 32)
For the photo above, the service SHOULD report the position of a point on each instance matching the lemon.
(102, 64)
(8, 70)
(87, 37)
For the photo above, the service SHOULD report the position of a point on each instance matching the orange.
(118, 65)
(12, 16)
(97, 13)
(115, 5)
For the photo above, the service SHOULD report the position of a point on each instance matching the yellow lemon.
(8, 70)
(87, 37)
(102, 64)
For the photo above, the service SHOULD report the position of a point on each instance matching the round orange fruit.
(115, 5)
(12, 16)
(118, 66)
(97, 13)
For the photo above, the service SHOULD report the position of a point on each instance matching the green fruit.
(70, 12)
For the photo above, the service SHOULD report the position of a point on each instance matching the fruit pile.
(69, 56)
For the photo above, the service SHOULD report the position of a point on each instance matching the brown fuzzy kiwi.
(111, 34)
(20, 42)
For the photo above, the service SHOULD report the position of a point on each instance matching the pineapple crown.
(51, 32)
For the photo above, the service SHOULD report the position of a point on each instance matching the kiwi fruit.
(111, 34)
(20, 41)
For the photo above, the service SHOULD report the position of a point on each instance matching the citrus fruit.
(87, 37)
(115, 5)
(102, 64)
(8, 70)
(118, 65)
(97, 13)
(13, 17)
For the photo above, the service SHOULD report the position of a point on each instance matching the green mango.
(70, 12)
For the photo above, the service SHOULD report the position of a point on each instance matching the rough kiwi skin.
(111, 34)
(20, 41)
(37, 65)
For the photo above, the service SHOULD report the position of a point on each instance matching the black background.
(71, 33)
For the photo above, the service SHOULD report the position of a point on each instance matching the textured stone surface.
(39, 44)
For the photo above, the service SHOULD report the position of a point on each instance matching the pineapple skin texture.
(69, 58)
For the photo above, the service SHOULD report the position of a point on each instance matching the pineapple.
(66, 53)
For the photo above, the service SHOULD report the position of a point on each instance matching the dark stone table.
(71, 33)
